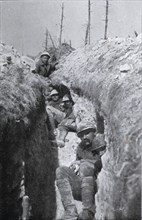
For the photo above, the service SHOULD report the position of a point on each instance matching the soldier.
(61, 88)
(79, 180)
(54, 109)
(69, 121)
(43, 67)
(6, 66)
(54, 99)
(47, 91)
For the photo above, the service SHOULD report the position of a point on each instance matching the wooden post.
(61, 25)
(51, 39)
(89, 20)
(87, 34)
(106, 20)
(46, 40)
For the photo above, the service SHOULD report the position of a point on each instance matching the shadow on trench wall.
(32, 146)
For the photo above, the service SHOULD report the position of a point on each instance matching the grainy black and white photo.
(70, 109)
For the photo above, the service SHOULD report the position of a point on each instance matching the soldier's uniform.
(54, 110)
(68, 123)
(44, 69)
(79, 180)
(60, 116)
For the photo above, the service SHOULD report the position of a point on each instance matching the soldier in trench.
(69, 121)
(43, 67)
(79, 180)
(61, 89)
(60, 115)
(7, 65)
(54, 109)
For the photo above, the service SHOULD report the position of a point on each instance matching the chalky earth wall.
(110, 75)
(24, 139)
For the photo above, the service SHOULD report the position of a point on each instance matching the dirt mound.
(19, 93)
(17, 59)
(6, 50)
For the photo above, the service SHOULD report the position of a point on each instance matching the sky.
(24, 22)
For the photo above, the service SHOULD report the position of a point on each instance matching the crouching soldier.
(79, 180)
(69, 121)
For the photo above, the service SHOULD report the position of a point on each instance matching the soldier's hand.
(60, 143)
(57, 66)
(75, 166)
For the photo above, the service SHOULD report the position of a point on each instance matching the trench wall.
(110, 75)
(24, 137)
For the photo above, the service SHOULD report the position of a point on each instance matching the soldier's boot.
(87, 194)
(26, 208)
(67, 199)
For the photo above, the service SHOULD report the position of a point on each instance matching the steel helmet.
(66, 98)
(8, 57)
(54, 92)
(99, 142)
(84, 126)
(45, 53)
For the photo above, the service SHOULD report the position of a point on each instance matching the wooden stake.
(61, 25)
(106, 20)
(89, 20)
(87, 34)
(46, 40)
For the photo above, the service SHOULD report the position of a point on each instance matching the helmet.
(99, 142)
(8, 57)
(54, 92)
(84, 127)
(66, 98)
(45, 54)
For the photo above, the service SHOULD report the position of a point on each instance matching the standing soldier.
(43, 67)
(79, 180)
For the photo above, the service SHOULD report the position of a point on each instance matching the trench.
(26, 151)
(113, 86)
(117, 102)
